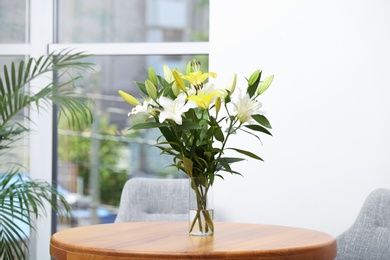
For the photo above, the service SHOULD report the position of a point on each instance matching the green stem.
(201, 200)
(229, 132)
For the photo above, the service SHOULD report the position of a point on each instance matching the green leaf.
(175, 146)
(215, 130)
(262, 120)
(251, 133)
(166, 88)
(168, 150)
(219, 134)
(7, 81)
(231, 160)
(148, 125)
(28, 70)
(225, 164)
(233, 172)
(163, 82)
(227, 98)
(187, 165)
(169, 135)
(188, 125)
(13, 74)
(258, 128)
(247, 153)
(264, 85)
(142, 87)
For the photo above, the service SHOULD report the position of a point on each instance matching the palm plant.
(22, 199)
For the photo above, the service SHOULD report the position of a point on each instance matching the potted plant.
(21, 198)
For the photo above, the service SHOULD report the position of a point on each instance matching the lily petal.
(173, 109)
(246, 107)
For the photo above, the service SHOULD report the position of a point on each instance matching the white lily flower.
(245, 107)
(145, 108)
(173, 109)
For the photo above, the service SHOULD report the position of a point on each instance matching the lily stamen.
(195, 65)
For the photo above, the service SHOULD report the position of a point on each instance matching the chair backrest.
(148, 199)
(369, 236)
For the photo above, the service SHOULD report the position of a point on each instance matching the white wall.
(328, 106)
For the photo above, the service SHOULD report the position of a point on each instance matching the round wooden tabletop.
(170, 240)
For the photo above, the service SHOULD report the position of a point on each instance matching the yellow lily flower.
(202, 101)
(197, 78)
(205, 97)
(129, 98)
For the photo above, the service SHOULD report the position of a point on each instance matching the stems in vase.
(203, 217)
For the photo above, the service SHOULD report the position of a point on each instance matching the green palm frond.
(15, 95)
(10, 134)
(20, 200)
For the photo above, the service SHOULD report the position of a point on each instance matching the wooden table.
(170, 240)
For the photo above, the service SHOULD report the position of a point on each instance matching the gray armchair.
(369, 236)
(147, 199)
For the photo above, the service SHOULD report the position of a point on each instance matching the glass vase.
(201, 222)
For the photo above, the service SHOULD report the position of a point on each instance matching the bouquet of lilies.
(196, 119)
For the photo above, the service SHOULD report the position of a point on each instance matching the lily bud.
(179, 80)
(218, 104)
(129, 98)
(168, 74)
(254, 77)
(253, 83)
(263, 86)
(189, 68)
(152, 76)
(231, 86)
(151, 89)
(175, 89)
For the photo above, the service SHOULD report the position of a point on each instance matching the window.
(14, 30)
(13, 17)
(126, 37)
(107, 21)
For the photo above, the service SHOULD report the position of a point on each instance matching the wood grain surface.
(170, 240)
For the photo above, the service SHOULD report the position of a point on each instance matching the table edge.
(60, 250)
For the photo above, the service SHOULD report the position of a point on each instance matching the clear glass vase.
(201, 222)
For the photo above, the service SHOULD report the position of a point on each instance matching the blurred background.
(328, 103)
